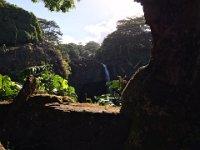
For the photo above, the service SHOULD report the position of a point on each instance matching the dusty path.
(84, 107)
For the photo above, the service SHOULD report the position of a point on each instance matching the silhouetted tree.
(51, 31)
(129, 46)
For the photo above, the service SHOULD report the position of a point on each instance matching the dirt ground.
(45, 122)
(84, 107)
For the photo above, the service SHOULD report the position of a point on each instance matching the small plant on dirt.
(104, 100)
(115, 89)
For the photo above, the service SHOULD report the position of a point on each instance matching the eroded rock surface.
(88, 78)
(163, 98)
(72, 126)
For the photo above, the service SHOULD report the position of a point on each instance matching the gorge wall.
(162, 99)
(88, 78)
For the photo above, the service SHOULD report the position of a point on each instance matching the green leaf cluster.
(58, 5)
(114, 97)
(31, 57)
(57, 85)
(117, 85)
(8, 88)
(105, 99)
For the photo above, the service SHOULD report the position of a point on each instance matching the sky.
(91, 20)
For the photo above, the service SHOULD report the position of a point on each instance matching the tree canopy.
(18, 26)
(51, 31)
(78, 51)
(129, 45)
(58, 5)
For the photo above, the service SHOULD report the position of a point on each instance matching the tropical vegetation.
(18, 26)
(8, 88)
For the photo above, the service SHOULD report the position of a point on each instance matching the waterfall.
(107, 74)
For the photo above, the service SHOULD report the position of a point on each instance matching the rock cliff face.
(52, 126)
(162, 99)
(88, 78)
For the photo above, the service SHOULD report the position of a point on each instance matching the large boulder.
(17, 26)
(162, 99)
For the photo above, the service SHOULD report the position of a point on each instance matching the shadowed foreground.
(63, 126)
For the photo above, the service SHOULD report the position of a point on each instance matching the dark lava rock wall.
(162, 99)
(35, 126)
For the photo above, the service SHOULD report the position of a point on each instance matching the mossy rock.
(18, 26)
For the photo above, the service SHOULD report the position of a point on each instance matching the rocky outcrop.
(162, 99)
(88, 78)
(53, 126)
(18, 26)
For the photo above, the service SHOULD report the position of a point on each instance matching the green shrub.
(8, 88)
(115, 89)
(57, 85)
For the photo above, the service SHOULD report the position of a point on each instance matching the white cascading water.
(107, 74)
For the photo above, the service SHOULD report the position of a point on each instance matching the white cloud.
(68, 39)
(118, 10)
(100, 30)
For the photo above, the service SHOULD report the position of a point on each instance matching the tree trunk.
(162, 99)
(27, 90)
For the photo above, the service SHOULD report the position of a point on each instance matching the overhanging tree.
(58, 5)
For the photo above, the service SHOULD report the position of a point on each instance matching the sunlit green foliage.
(58, 5)
(105, 99)
(114, 96)
(8, 88)
(2, 2)
(16, 59)
(17, 25)
(57, 85)
(117, 86)
(50, 82)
